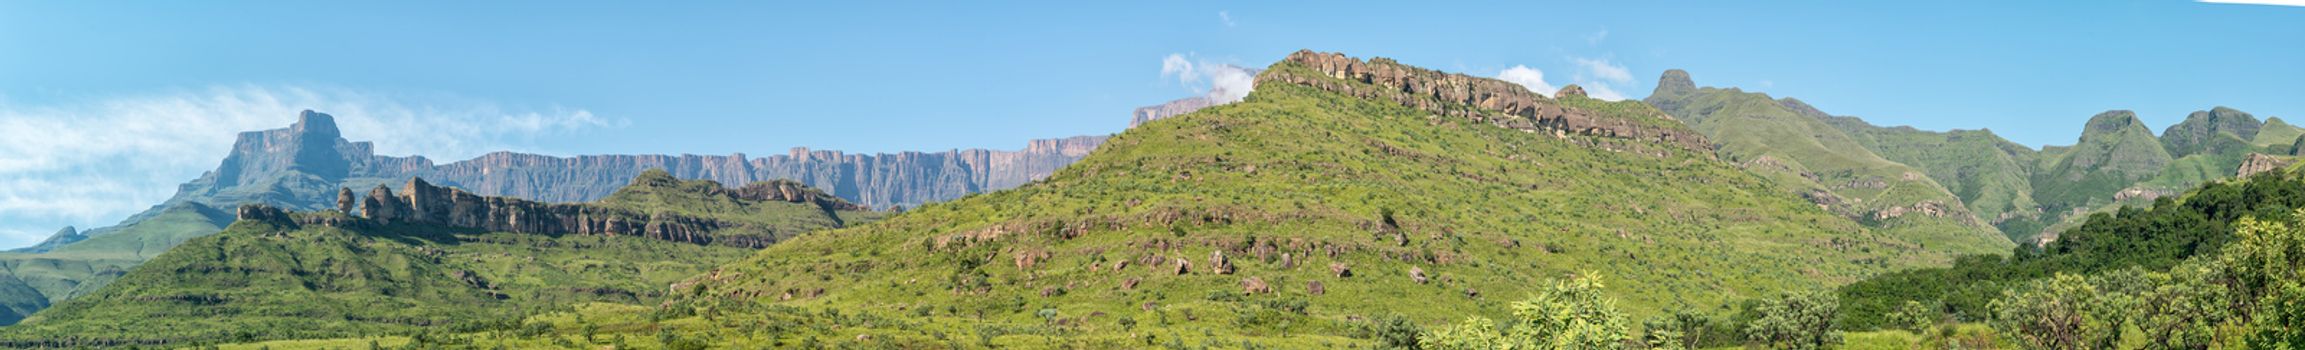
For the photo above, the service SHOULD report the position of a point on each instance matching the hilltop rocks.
(344, 200)
(264, 213)
(1571, 90)
(2258, 163)
(1417, 274)
(1494, 101)
(1339, 269)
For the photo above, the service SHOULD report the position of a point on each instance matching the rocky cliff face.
(302, 166)
(1493, 101)
(420, 202)
(2258, 163)
(877, 180)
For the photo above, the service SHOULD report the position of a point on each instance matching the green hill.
(1798, 146)
(1334, 195)
(328, 274)
(2277, 134)
(1991, 175)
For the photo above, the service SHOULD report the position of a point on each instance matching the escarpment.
(1488, 100)
(420, 202)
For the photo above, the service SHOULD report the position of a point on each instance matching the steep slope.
(1991, 175)
(2115, 151)
(1340, 190)
(430, 257)
(1795, 145)
(2218, 130)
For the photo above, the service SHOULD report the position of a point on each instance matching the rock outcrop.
(1481, 99)
(2258, 163)
(1571, 90)
(421, 202)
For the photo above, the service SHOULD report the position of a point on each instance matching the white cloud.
(1604, 70)
(1227, 18)
(92, 163)
(1223, 82)
(1528, 77)
(1597, 37)
(2300, 3)
(1600, 77)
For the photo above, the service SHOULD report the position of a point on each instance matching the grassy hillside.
(1797, 146)
(274, 279)
(1262, 203)
(2277, 134)
(1990, 174)
(33, 281)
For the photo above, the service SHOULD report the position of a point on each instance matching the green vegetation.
(1801, 149)
(1992, 176)
(2214, 268)
(30, 282)
(263, 280)
(1298, 218)
(1572, 314)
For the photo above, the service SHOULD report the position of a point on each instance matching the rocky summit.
(1457, 95)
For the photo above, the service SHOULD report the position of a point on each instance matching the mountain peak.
(315, 124)
(62, 237)
(2112, 121)
(1674, 82)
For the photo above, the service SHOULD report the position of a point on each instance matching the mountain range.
(1294, 217)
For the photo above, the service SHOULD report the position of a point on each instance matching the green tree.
(2263, 263)
(1797, 321)
(1915, 317)
(1683, 329)
(2062, 312)
(1571, 314)
(2185, 307)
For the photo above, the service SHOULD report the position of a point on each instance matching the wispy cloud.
(1600, 77)
(1227, 18)
(2299, 3)
(1528, 77)
(1597, 37)
(1223, 82)
(91, 163)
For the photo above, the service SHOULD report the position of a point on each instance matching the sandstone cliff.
(420, 202)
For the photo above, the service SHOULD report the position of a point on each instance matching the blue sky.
(86, 87)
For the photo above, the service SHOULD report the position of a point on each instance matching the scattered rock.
(1339, 269)
(1417, 273)
(1253, 285)
(1183, 266)
(1218, 264)
(1315, 288)
(344, 200)
(1130, 283)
